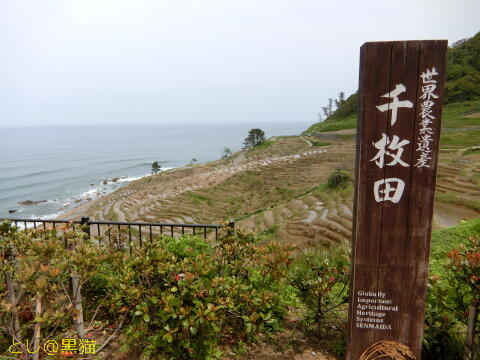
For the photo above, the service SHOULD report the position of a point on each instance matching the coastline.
(65, 185)
(77, 212)
(81, 210)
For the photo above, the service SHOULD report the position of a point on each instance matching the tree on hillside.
(341, 100)
(155, 167)
(330, 106)
(255, 137)
(193, 161)
(325, 111)
(463, 71)
(342, 106)
(226, 153)
(328, 110)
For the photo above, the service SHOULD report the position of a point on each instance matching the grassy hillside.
(446, 239)
(460, 125)
(464, 114)
(461, 102)
(463, 70)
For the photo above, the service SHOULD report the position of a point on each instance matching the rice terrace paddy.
(280, 188)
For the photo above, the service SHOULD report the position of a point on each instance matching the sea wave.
(134, 166)
(39, 183)
(63, 204)
(122, 160)
(45, 172)
(30, 225)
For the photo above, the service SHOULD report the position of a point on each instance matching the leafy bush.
(440, 340)
(338, 179)
(464, 266)
(346, 109)
(463, 71)
(185, 296)
(472, 150)
(322, 280)
(39, 265)
(179, 298)
(452, 292)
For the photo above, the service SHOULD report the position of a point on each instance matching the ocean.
(46, 171)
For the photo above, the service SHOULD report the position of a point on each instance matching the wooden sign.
(400, 103)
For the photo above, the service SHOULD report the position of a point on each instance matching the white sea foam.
(89, 192)
(30, 225)
(133, 178)
(128, 179)
(68, 203)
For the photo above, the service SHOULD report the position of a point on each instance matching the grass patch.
(198, 199)
(472, 150)
(457, 200)
(272, 229)
(286, 193)
(252, 179)
(346, 136)
(111, 214)
(455, 115)
(459, 139)
(476, 179)
(265, 145)
(349, 122)
(446, 239)
(331, 196)
(319, 143)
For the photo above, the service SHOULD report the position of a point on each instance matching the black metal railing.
(134, 229)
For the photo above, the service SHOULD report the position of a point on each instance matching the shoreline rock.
(31, 202)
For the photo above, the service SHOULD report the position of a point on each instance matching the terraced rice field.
(458, 188)
(275, 189)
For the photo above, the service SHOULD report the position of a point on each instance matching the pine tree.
(255, 137)
(155, 167)
(226, 153)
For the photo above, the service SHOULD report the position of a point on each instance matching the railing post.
(85, 221)
(76, 289)
(231, 227)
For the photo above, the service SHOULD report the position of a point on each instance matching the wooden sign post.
(400, 103)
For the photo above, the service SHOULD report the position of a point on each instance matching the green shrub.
(453, 287)
(322, 279)
(440, 341)
(338, 179)
(177, 298)
(472, 150)
(187, 297)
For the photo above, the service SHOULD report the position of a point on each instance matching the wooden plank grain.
(398, 166)
(374, 82)
(391, 235)
(422, 196)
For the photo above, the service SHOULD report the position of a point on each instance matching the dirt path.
(308, 141)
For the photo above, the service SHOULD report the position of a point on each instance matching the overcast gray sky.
(154, 62)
